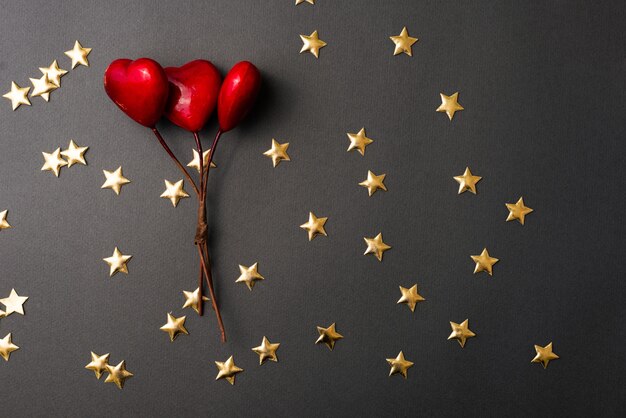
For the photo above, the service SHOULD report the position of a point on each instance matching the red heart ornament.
(139, 88)
(194, 88)
(237, 95)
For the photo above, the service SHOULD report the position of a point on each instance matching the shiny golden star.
(74, 154)
(192, 299)
(449, 104)
(17, 95)
(53, 162)
(410, 297)
(403, 43)
(518, 211)
(98, 364)
(195, 162)
(461, 332)
(118, 374)
(376, 246)
(114, 180)
(78, 54)
(7, 347)
(544, 355)
(42, 87)
(373, 182)
(117, 262)
(359, 141)
(278, 152)
(54, 73)
(467, 181)
(227, 370)
(174, 192)
(3, 220)
(14, 303)
(249, 275)
(399, 365)
(328, 336)
(307, 1)
(266, 351)
(175, 326)
(315, 226)
(312, 44)
(484, 262)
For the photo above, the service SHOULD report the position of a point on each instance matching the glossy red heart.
(194, 88)
(139, 88)
(238, 94)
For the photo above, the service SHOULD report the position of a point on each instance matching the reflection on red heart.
(139, 88)
(194, 88)
(238, 94)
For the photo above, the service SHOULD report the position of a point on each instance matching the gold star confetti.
(17, 95)
(53, 162)
(98, 364)
(518, 211)
(410, 297)
(278, 152)
(359, 141)
(374, 182)
(544, 355)
(174, 192)
(328, 336)
(303, 1)
(118, 374)
(74, 154)
(7, 347)
(399, 365)
(376, 246)
(461, 332)
(3, 220)
(484, 262)
(117, 262)
(450, 104)
(403, 43)
(14, 303)
(114, 180)
(78, 54)
(54, 73)
(467, 181)
(175, 326)
(42, 87)
(315, 226)
(227, 370)
(266, 351)
(195, 163)
(249, 275)
(192, 298)
(312, 44)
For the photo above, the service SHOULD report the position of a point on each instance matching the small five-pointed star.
(54, 73)
(117, 262)
(227, 370)
(42, 87)
(174, 192)
(175, 326)
(518, 211)
(312, 44)
(7, 347)
(328, 336)
(249, 275)
(195, 162)
(315, 226)
(266, 351)
(17, 95)
(376, 246)
(114, 180)
(374, 182)
(449, 104)
(118, 374)
(14, 303)
(467, 181)
(74, 154)
(461, 332)
(278, 152)
(3, 220)
(192, 299)
(78, 54)
(399, 365)
(484, 262)
(53, 162)
(544, 355)
(403, 43)
(98, 364)
(359, 141)
(410, 297)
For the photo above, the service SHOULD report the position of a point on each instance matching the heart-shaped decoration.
(139, 88)
(238, 94)
(194, 88)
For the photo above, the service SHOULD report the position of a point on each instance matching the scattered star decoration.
(403, 43)
(314, 226)
(544, 355)
(174, 326)
(53, 162)
(17, 95)
(192, 298)
(114, 180)
(42, 87)
(374, 183)
(461, 332)
(518, 211)
(78, 54)
(449, 104)
(174, 192)
(376, 246)
(312, 44)
(399, 365)
(7, 347)
(484, 262)
(266, 351)
(410, 297)
(249, 275)
(117, 262)
(118, 374)
(14, 303)
(328, 336)
(74, 154)
(359, 141)
(467, 181)
(98, 364)
(54, 73)
(195, 162)
(278, 152)
(3, 220)
(227, 370)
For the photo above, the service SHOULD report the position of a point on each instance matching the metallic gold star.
(544, 355)
(373, 182)
(117, 262)
(484, 262)
(315, 226)
(74, 154)
(192, 298)
(54, 73)
(14, 303)
(98, 364)
(3, 220)
(266, 351)
(399, 365)
(114, 180)
(53, 162)
(17, 95)
(174, 192)
(403, 43)
(449, 104)
(195, 163)
(175, 326)
(328, 336)
(249, 275)
(7, 347)
(278, 152)
(227, 370)
(118, 374)
(410, 297)
(42, 87)
(376, 246)
(461, 332)
(467, 181)
(518, 211)
(78, 54)
(312, 44)
(359, 141)
(302, 1)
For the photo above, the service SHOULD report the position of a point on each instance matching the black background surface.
(542, 83)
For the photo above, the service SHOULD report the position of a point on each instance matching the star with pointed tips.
(376, 246)
(54, 73)
(114, 180)
(278, 152)
(410, 297)
(227, 370)
(249, 275)
(42, 87)
(3, 220)
(118, 374)
(461, 332)
(117, 262)
(518, 211)
(14, 303)
(192, 299)
(174, 192)
(312, 44)
(74, 154)
(175, 326)
(403, 43)
(450, 104)
(484, 262)
(328, 336)
(359, 141)
(53, 162)
(314, 226)
(399, 365)
(374, 183)
(544, 355)
(78, 54)
(266, 351)
(7, 347)
(467, 181)
(17, 95)
(195, 162)
(98, 364)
